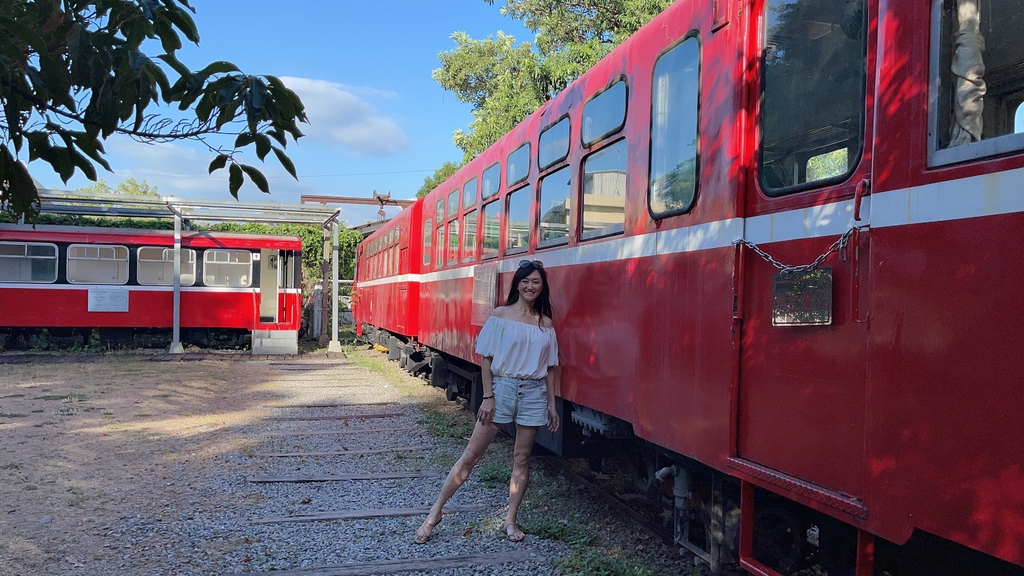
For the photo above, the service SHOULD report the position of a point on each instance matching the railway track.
(345, 470)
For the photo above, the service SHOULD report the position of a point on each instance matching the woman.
(518, 346)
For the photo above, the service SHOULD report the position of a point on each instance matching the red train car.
(82, 277)
(781, 236)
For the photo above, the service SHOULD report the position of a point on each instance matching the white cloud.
(340, 118)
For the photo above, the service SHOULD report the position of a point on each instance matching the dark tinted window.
(491, 181)
(553, 226)
(554, 144)
(604, 191)
(604, 114)
(813, 91)
(674, 142)
(518, 165)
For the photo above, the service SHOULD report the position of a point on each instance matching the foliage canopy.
(73, 73)
(505, 83)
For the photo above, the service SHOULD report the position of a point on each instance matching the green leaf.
(219, 67)
(219, 162)
(286, 162)
(244, 139)
(234, 180)
(262, 146)
(257, 178)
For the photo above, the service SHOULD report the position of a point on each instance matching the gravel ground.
(154, 477)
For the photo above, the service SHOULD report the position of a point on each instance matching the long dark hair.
(542, 305)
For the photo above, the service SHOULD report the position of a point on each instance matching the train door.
(270, 285)
(802, 379)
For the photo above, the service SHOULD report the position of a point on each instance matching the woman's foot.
(423, 534)
(513, 533)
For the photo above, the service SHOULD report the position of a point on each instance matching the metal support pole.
(176, 347)
(334, 346)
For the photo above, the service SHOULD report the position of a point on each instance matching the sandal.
(422, 537)
(513, 533)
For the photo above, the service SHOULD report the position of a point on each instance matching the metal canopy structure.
(186, 210)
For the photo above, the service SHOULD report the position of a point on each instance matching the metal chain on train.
(839, 244)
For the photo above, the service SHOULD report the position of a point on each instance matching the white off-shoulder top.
(517, 349)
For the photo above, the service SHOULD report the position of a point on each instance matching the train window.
(469, 237)
(553, 226)
(453, 242)
(469, 193)
(491, 229)
(491, 181)
(227, 268)
(453, 203)
(554, 144)
(440, 245)
(605, 114)
(97, 264)
(675, 97)
(603, 210)
(439, 210)
(394, 260)
(28, 262)
(977, 82)
(813, 82)
(518, 223)
(156, 266)
(518, 166)
(428, 234)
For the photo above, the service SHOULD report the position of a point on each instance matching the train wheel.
(778, 539)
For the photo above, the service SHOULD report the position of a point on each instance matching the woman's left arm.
(552, 379)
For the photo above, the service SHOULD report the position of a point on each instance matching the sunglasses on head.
(534, 263)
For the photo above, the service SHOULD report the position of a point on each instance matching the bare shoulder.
(546, 322)
(500, 312)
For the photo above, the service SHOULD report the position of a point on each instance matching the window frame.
(692, 34)
(568, 144)
(466, 205)
(485, 255)
(483, 181)
(206, 260)
(25, 244)
(428, 227)
(116, 247)
(614, 229)
(625, 111)
(563, 240)
(139, 260)
(466, 248)
(529, 164)
(984, 149)
(454, 259)
(531, 200)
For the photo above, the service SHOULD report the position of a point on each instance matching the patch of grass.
(13, 396)
(442, 459)
(494, 474)
(12, 415)
(11, 466)
(591, 562)
(31, 487)
(40, 411)
(167, 395)
(70, 398)
(118, 426)
(67, 411)
(453, 425)
(550, 528)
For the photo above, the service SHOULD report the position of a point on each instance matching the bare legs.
(483, 435)
(525, 437)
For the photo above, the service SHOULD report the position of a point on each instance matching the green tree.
(129, 187)
(435, 180)
(73, 73)
(505, 83)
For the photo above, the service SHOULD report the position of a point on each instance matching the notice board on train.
(112, 299)
(485, 292)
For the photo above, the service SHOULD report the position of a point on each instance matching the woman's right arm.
(486, 412)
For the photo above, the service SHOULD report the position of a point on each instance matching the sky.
(378, 121)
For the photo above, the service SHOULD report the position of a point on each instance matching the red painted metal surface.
(900, 415)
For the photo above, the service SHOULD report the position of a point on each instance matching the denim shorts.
(524, 402)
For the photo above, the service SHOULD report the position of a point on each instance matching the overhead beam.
(315, 199)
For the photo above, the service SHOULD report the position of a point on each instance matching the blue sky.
(377, 119)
